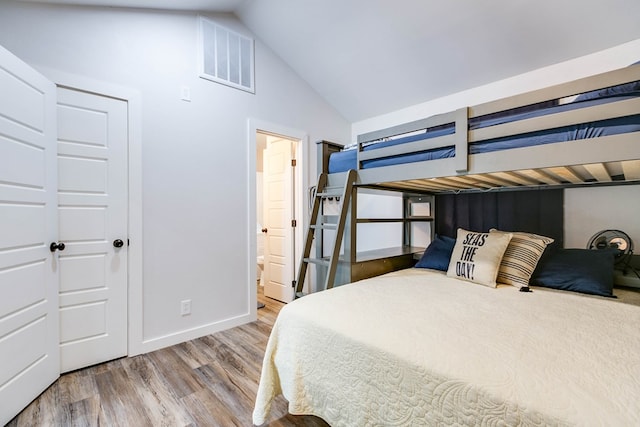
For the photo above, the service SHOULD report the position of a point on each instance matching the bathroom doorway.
(279, 211)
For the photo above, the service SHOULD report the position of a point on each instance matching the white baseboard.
(157, 343)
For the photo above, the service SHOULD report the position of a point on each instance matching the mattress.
(347, 159)
(415, 347)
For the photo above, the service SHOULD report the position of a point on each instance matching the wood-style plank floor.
(210, 381)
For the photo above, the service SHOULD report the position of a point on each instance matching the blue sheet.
(345, 160)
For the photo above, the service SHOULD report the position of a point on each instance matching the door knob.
(264, 230)
(118, 243)
(56, 246)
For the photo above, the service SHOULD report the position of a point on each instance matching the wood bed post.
(325, 149)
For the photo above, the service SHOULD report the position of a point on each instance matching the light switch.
(185, 94)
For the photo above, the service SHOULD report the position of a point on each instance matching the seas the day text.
(465, 266)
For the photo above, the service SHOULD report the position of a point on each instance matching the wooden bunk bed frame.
(612, 160)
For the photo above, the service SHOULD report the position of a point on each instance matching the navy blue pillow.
(437, 254)
(580, 270)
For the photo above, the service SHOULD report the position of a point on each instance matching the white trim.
(301, 184)
(178, 337)
(134, 116)
(301, 207)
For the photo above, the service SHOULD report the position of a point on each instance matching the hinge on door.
(293, 283)
(294, 223)
(293, 163)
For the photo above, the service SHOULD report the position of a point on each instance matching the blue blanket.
(345, 160)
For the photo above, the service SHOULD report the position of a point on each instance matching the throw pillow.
(521, 257)
(476, 256)
(437, 254)
(580, 270)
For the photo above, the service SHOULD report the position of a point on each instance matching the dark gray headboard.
(533, 211)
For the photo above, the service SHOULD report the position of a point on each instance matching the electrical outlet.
(185, 307)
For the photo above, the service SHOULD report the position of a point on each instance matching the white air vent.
(225, 56)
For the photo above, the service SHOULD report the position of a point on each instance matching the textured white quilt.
(415, 348)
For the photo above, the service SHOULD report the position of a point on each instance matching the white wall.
(587, 210)
(381, 235)
(194, 154)
(599, 62)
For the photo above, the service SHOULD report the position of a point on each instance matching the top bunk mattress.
(347, 159)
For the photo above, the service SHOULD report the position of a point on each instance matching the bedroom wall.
(587, 210)
(194, 154)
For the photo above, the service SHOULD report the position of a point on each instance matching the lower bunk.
(418, 347)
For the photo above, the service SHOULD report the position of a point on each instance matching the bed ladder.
(319, 222)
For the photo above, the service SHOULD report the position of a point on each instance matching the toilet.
(260, 258)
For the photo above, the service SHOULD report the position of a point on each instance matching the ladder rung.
(330, 219)
(317, 261)
(326, 194)
(331, 192)
(324, 226)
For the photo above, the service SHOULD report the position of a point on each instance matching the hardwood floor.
(210, 381)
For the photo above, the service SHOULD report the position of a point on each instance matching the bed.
(416, 347)
(581, 133)
(347, 159)
(510, 142)
(432, 345)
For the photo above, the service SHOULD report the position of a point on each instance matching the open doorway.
(279, 208)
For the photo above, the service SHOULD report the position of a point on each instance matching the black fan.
(612, 239)
(615, 239)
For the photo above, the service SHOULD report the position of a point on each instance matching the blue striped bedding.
(347, 159)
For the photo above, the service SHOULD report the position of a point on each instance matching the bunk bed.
(509, 142)
(584, 132)
(419, 346)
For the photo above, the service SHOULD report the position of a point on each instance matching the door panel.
(32, 278)
(278, 203)
(83, 272)
(29, 356)
(88, 320)
(92, 171)
(92, 197)
(22, 155)
(83, 223)
(13, 214)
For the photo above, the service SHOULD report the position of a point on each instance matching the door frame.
(135, 306)
(301, 183)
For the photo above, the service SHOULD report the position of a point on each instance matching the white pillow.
(476, 256)
(521, 257)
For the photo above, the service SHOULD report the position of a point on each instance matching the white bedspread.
(414, 347)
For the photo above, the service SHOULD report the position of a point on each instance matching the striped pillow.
(521, 257)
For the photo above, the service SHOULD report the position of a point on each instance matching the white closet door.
(29, 354)
(92, 198)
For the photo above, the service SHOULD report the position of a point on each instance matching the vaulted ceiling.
(370, 57)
